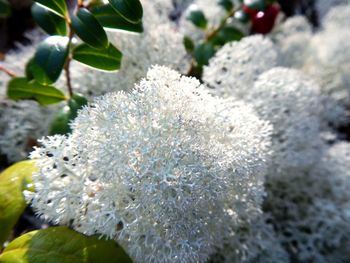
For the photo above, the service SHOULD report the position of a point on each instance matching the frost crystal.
(237, 65)
(156, 169)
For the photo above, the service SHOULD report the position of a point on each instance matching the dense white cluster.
(311, 208)
(156, 169)
(255, 241)
(294, 106)
(235, 67)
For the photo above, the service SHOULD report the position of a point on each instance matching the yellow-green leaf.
(13, 181)
(62, 245)
(57, 6)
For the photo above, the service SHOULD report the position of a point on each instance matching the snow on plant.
(155, 169)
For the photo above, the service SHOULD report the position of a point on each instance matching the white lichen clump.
(156, 169)
(311, 208)
(21, 123)
(235, 67)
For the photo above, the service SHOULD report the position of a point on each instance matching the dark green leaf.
(62, 245)
(227, 34)
(188, 43)
(109, 18)
(242, 16)
(57, 6)
(49, 21)
(226, 4)
(49, 59)
(197, 17)
(131, 10)
(88, 28)
(5, 9)
(60, 125)
(13, 181)
(21, 88)
(255, 4)
(203, 52)
(105, 59)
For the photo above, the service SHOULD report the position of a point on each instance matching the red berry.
(264, 21)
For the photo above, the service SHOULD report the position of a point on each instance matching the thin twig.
(8, 72)
(66, 66)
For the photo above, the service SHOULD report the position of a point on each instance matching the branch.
(8, 72)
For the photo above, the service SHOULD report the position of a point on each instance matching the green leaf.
(198, 18)
(60, 125)
(227, 34)
(255, 4)
(203, 52)
(57, 6)
(226, 4)
(242, 16)
(5, 9)
(131, 10)
(105, 59)
(109, 18)
(49, 59)
(188, 43)
(49, 21)
(21, 88)
(13, 181)
(62, 245)
(88, 28)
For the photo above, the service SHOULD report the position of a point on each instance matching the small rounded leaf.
(131, 10)
(49, 59)
(108, 59)
(49, 21)
(87, 27)
(57, 6)
(203, 52)
(62, 245)
(13, 181)
(227, 34)
(21, 89)
(198, 18)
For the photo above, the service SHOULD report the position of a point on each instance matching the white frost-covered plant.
(153, 169)
(235, 67)
(311, 208)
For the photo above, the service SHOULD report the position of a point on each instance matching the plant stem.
(223, 23)
(66, 66)
(8, 72)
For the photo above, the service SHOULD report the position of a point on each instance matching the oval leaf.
(109, 18)
(13, 181)
(198, 18)
(106, 59)
(49, 59)
(62, 245)
(203, 52)
(227, 34)
(57, 6)
(21, 88)
(49, 21)
(88, 28)
(131, 10)
(5, 9)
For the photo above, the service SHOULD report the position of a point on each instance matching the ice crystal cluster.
(167, 170)
(235, 67)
